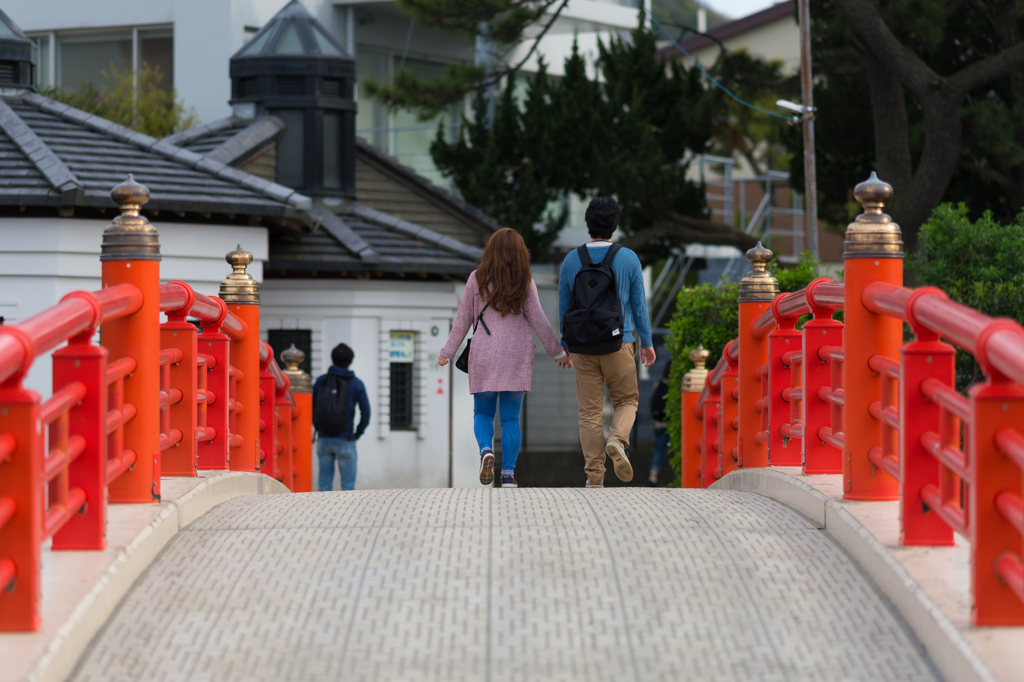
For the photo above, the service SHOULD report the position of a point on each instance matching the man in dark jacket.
(341, 446)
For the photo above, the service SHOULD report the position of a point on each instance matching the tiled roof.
(56, 155)
(324, 250)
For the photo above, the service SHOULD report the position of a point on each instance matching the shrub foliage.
(979, 264)
(709, 315)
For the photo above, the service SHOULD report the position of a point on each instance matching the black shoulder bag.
(463, 362)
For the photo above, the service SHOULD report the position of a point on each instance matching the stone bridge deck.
(491, 584)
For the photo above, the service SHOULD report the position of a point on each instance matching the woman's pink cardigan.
(502, 361)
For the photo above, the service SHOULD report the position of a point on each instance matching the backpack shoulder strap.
(613, 250)
(584, 255)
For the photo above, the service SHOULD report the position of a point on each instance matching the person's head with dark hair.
(342, 356)
(602, 217)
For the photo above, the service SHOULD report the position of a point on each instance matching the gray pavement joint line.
(362, 576)
(490, 562)
(224, 603)
(746, 585)
(618, 586)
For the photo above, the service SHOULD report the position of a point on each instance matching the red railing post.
(302, 419)
(214, 350)
(690, 427)
(21, 498)
(756, 292)
(283, 436)
(242, 296)
(82, 362)
(131, 255)
(873, 253)
(924, 358)
(268, 431)
(783, 343)
(729, 454)
(710, 441)
(177, 333)
(820, 334)
(996, 404)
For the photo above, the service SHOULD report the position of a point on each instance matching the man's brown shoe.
(623, 469)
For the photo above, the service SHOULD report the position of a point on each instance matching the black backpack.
(593, 323)
(330, 417)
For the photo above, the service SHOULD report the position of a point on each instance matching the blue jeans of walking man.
(328, 450)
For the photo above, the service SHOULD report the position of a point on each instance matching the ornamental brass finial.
(758, 285)
(130, 236)
(693, 381)
(239, 286)
(300, 381)
(873, 234)
(699, 356)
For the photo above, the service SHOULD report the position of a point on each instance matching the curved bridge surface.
(491, 584)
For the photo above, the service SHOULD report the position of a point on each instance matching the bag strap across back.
(480, 320)
(587, 262)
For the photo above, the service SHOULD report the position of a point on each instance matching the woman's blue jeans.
(485, 405)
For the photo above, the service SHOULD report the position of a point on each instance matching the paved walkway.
(490, 584)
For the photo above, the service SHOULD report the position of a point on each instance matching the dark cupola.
(17, 55)
(294, 69)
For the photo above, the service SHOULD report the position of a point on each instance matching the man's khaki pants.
(592, 372)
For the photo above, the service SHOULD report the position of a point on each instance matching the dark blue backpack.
(593, 325)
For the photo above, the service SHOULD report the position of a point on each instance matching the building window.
(71, 59)
(282, 339)
(291, 157)
(332, 151)
(402, 354)
(401, 133)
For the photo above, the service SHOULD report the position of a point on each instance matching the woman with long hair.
(501, 302)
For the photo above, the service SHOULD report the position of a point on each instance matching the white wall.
(43, 259)
(362, 313)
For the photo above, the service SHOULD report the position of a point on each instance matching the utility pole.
(807, 95)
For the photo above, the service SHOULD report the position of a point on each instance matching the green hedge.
(979, 264)
(709, 315)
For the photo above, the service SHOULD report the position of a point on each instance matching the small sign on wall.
(402, 346)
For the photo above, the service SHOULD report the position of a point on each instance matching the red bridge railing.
(852, 398)
(154, 399)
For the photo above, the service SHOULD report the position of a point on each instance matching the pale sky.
(737, 8)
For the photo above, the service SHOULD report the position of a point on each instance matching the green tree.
(978, 263)
(626, 133)
(709, 315)
(927, 92)
(147, 108)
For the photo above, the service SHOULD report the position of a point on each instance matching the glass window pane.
(156, 49)
(43, 76)
(411, 137)
(372, 117)
(324, 43)
(84, 58)
(257, 45)
(6, 31)
(290, 43)
(291, 148)
(332, 151)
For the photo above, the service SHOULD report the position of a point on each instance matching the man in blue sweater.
(341, 446)
(618, 369)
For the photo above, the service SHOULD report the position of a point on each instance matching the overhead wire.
(711, 78)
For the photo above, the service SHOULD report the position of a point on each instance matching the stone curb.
(91, 614)
(951, 654)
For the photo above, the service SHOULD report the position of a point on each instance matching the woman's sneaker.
(487, 466)
(508, 481)
(623, 469)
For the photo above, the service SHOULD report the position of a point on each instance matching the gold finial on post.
(873, 234)
(130, 236)
(239, 286)
(693, 381)
(758, 284)
(301, 382)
